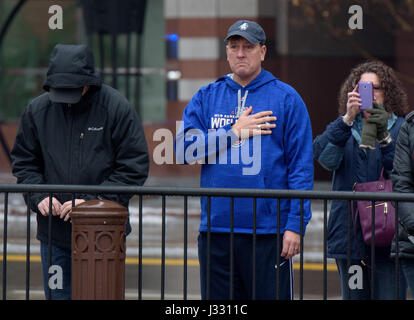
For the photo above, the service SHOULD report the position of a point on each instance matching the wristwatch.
(350, 124)
(386, 141)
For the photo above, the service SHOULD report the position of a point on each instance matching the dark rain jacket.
(337, 149)
(403, 181)
(98, 141)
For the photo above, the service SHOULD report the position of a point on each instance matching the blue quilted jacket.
(337, 149)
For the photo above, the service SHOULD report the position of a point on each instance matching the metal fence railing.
(143, 192)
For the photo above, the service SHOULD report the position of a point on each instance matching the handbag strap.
(363, 262)
(354, 220)
(381, 177)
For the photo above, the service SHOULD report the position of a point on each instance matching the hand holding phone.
(352, 105)
(366, 92)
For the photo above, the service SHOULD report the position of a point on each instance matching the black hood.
(71, 66)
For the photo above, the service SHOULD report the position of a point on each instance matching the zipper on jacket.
(241, 102)
(70, 144)
(410, 237)
(80, 149)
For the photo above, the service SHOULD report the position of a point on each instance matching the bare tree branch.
(394, 18)
(398, 18)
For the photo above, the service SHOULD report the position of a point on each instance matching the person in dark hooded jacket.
(338, 149)
(402, 181)
(81, 132)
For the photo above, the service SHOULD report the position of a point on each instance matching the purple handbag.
(384, 213)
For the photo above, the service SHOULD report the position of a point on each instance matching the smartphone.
(366, 91)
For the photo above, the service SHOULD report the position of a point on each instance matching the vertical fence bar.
(28, 247)
(301, 251)
(89, 39)
(5, 221)
(208, 247)
(231, 247)
(49, 245)
(137, 95)
(101, 45)
(325, 251)
(348, 247)
(278, 251)
(397, 258)
(140, 248)
(373, 250)
(128, 62)
(185, 247)
(254, 250)
(163, 249)
(115, 60)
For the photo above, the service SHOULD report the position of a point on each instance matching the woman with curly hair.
(339, 149)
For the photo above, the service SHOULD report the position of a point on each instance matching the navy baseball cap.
(65, 95)
(249, 30)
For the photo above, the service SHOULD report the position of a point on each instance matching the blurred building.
(310, 46)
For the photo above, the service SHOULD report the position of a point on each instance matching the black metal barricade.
(231, 194)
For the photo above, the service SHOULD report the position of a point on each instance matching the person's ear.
(263, 52)
(85, 89)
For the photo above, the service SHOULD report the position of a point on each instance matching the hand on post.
(58, 209)
(67, 208)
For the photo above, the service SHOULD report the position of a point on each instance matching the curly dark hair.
(395, 97)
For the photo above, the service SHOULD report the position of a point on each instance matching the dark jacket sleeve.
(27, 159)
(387, 152)
(387, 157)
(328, 148)
(402, 176)
(131, 164)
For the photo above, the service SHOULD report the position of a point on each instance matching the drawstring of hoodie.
(240, 104)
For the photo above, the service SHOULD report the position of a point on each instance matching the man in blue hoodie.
(249, 130)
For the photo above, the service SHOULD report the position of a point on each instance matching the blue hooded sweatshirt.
(282, 160)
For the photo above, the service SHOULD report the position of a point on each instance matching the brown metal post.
(98, 250)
